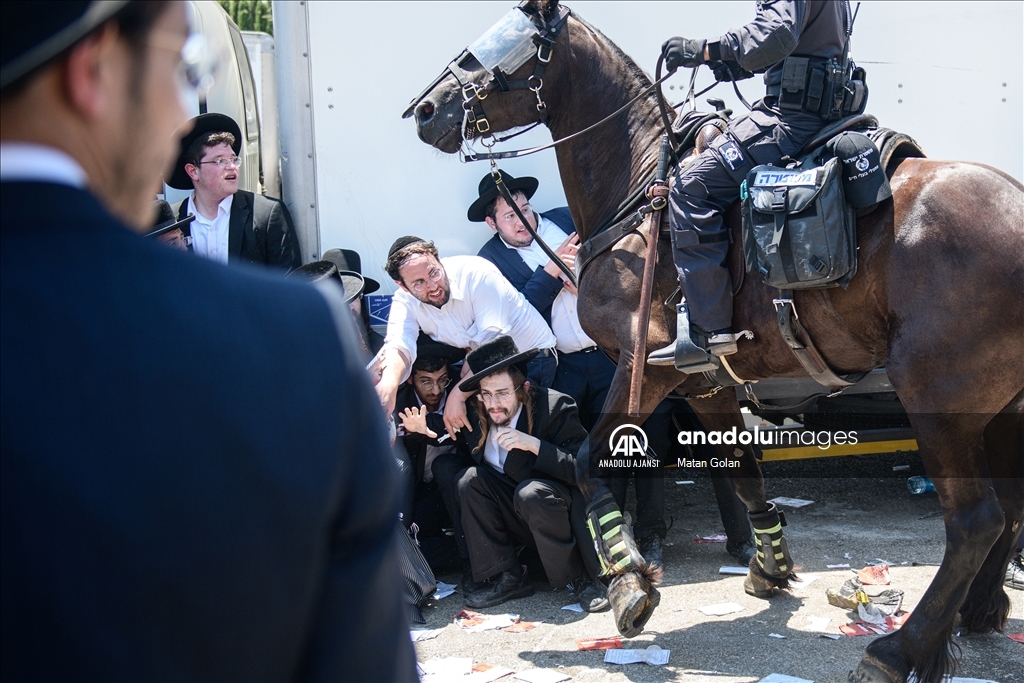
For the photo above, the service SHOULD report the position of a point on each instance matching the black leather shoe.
(592, 597)
(510, 585)
(467, 584)
(651, 548)
(742, 553)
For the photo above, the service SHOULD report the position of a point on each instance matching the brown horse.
(938, 301)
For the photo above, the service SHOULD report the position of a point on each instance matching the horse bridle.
(474, 120)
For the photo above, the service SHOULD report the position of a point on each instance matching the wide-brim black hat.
(488, 191)
(494, 356)
(204, 123)
(864, 180)
(349, 260)
(35, 31)
(354, 284)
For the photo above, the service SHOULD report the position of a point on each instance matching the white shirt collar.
(29, 161)
(224, 207)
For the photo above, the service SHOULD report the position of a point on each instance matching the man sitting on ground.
(524, 442)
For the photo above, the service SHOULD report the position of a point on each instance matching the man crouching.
(524, 441)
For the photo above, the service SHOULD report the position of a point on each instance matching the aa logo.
(628, 441)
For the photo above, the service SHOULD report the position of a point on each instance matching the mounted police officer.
(801, 47)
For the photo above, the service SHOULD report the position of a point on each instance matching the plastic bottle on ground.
(918, 485)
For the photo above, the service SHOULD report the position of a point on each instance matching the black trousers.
(447, 468)
(498, 515)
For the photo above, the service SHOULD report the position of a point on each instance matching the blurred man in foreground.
(178, 502)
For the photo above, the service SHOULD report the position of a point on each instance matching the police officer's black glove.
(681, 51)
(729, 71)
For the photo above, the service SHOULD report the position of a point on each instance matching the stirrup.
(689, 357)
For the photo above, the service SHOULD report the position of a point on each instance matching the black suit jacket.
(416, 444)
(539, 288)
(260, 231)
(556, 423)
(195, 480)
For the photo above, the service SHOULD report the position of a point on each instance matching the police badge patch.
(732, 155)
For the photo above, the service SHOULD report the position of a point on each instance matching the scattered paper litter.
(1019, 637)
(445, 669)
(443, 590)
(721, 609)
(522, 627)
(863, 628)
(847, 556)
(485, 673)
(424, 633)
(613, 643)
(684, 483)
(819, 623)
(874, 575)
(790, 502)
(776, 635)
(652, 655)
(831, 636)
(955, 679)
(736, 571)
(474, 622)
(838, 566)
(542, 676)
(783, 678)
(803, 581)
(575, 607)
(714, 538)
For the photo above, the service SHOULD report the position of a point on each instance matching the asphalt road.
(861, 512)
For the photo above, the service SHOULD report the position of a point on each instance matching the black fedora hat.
(347, 259)
(493, 356)
(316, 271)
(202, 124)
(36, 31)
(425, 346)
(488, 191)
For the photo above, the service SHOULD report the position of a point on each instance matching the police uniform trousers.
(498, 515)
(705, 189)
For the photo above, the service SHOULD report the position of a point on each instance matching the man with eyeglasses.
(230, 224)
(226, 514)
(522, 486)
(462, 301)
(431, 464)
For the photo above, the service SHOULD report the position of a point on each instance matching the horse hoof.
(759, 584)
(871, 670)
(633, 600)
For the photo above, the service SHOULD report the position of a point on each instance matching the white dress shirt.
(210, 238)
(483, 305)
(565, 321)
(30, 162)
(494, 455)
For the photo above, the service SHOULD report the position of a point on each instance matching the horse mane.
(639, 74)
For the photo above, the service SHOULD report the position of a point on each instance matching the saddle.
(699, 131)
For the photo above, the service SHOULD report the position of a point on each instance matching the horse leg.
(631, 592)
(771, 567)
(951, 448)
(987, 607)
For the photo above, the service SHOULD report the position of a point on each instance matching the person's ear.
(526, 385)
(490, 223)
(193, 171)
(91, 70)
(402, 285)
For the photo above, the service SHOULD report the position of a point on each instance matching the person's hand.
(566, 253)
(415, 420)
(729, 70)
(455, 417)
(509, 438)
(387, 393)
(679, 51)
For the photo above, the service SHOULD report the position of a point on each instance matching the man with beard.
(524, 442)
(462, 301)
(230, 224)
(225, 514)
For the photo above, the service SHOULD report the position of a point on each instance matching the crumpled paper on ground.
(474, 621)
(652, 655)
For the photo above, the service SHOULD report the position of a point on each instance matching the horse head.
(494, 85)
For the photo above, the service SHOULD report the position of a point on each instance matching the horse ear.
(547, 9)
